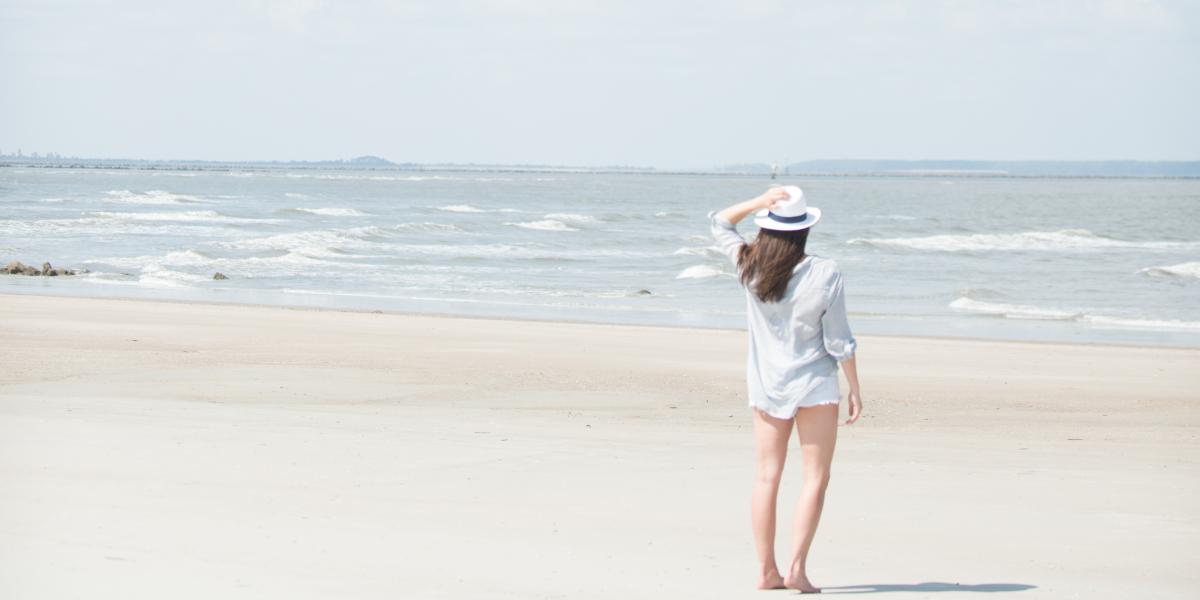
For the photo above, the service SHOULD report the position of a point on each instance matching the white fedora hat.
(792, 214)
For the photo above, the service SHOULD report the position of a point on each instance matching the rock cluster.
(16, 267)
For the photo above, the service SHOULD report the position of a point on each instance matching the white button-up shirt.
(795, 343)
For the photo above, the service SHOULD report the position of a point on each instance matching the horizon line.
(379, 161)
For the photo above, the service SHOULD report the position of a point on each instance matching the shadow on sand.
(928, 586)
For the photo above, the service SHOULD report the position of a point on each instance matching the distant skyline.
(654, 84)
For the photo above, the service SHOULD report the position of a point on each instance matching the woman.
(798, 337)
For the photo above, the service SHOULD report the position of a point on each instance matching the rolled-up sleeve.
(835, 326)
(728, 239)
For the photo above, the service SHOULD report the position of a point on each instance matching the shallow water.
(1099, 260)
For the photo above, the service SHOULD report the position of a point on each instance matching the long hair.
(768, 262)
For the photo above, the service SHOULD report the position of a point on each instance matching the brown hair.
(770, 259)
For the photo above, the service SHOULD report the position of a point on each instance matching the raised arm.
(738, 211)
(723, 224)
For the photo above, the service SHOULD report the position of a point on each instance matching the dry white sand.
(167, 450)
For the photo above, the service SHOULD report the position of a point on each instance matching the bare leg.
(817, 429)
(771, 439)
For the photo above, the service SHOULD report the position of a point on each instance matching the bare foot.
(800, 582)
(772, 581)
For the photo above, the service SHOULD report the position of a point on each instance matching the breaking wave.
(336, 242)
(701, 272)
(1102, 321)
(157, 276)
(461, 208)
(571, 217)
(1011, 311)
(1017, 311)
(706, 251)
(205, 216)
(324, 242)
(545, 225)
(1188, 269)
(1063, 240)
(425, 227)
(152, 197)
(188, 258)
(333, 212)
(106, 226)
(188, 268)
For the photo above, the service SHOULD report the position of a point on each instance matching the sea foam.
(571, 217)
(333, 212)
(321, 242)
(156, 276)
(1011, 311)
(701, 272)
(461, 208)
(174, 258)
(1122, 323)
(152, 197)
(707, 251)
(1188, 269)
(354, 242)
(166, 270)
(1062, 240)
(545, 225)
(1017, 311)
(206, 216)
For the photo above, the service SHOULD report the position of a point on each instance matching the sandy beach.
(174, 450)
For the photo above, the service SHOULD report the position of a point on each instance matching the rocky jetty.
(17, 267)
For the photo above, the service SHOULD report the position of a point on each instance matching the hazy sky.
(670, 84)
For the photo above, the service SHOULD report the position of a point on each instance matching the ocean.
(1071, 260)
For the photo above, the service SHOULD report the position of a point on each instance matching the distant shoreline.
(1185, 170)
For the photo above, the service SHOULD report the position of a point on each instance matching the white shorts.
(826, 392)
